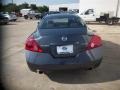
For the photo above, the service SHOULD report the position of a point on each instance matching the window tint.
(62, 22)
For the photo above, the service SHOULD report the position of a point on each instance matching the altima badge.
(64, 38)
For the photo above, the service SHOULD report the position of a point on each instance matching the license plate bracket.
(65, 49)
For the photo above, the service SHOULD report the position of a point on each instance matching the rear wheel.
(6, 23)
(26, 16)
(31, 18)
(115, 21)
(109, 22)
(37, 17)
(14, 20)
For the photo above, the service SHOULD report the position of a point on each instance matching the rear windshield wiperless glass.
(62, 22)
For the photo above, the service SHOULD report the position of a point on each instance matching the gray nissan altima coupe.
(60, 42)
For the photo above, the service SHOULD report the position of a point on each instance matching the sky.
(41, 2)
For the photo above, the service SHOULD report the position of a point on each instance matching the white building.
(64, 7)
(100, 6)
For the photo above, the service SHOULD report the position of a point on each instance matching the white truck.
(29, 14)
(107, 11)
(26, 11)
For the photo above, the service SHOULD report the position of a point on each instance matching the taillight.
(32, 45)
(94, 42)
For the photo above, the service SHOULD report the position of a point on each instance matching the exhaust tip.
(39, 72)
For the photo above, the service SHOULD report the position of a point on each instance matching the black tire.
(14, 20)
(25, 16)
(109, 22)
(37, 17)
(5, 23)
(115, 22)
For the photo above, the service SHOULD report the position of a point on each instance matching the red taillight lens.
(94, 42)
(32, 45)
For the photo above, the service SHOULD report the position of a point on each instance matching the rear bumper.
(54, 67)
(45, 61)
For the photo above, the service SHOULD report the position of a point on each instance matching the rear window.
(62, 22)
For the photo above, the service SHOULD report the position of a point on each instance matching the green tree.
(33, 6)
(11, 8)
(23, 6)
(45, 9)
(42, 9)
(16, 8)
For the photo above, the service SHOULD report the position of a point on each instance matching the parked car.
(48, 13)
(26, 11)
(63, 41)
(11, 17)
(3, 19)
(32, 16)
(18, 14)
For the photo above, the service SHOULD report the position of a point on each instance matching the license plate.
(66, 49)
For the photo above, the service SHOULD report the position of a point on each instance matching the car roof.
(60, 15)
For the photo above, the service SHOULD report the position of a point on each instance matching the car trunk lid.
(51, 39)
